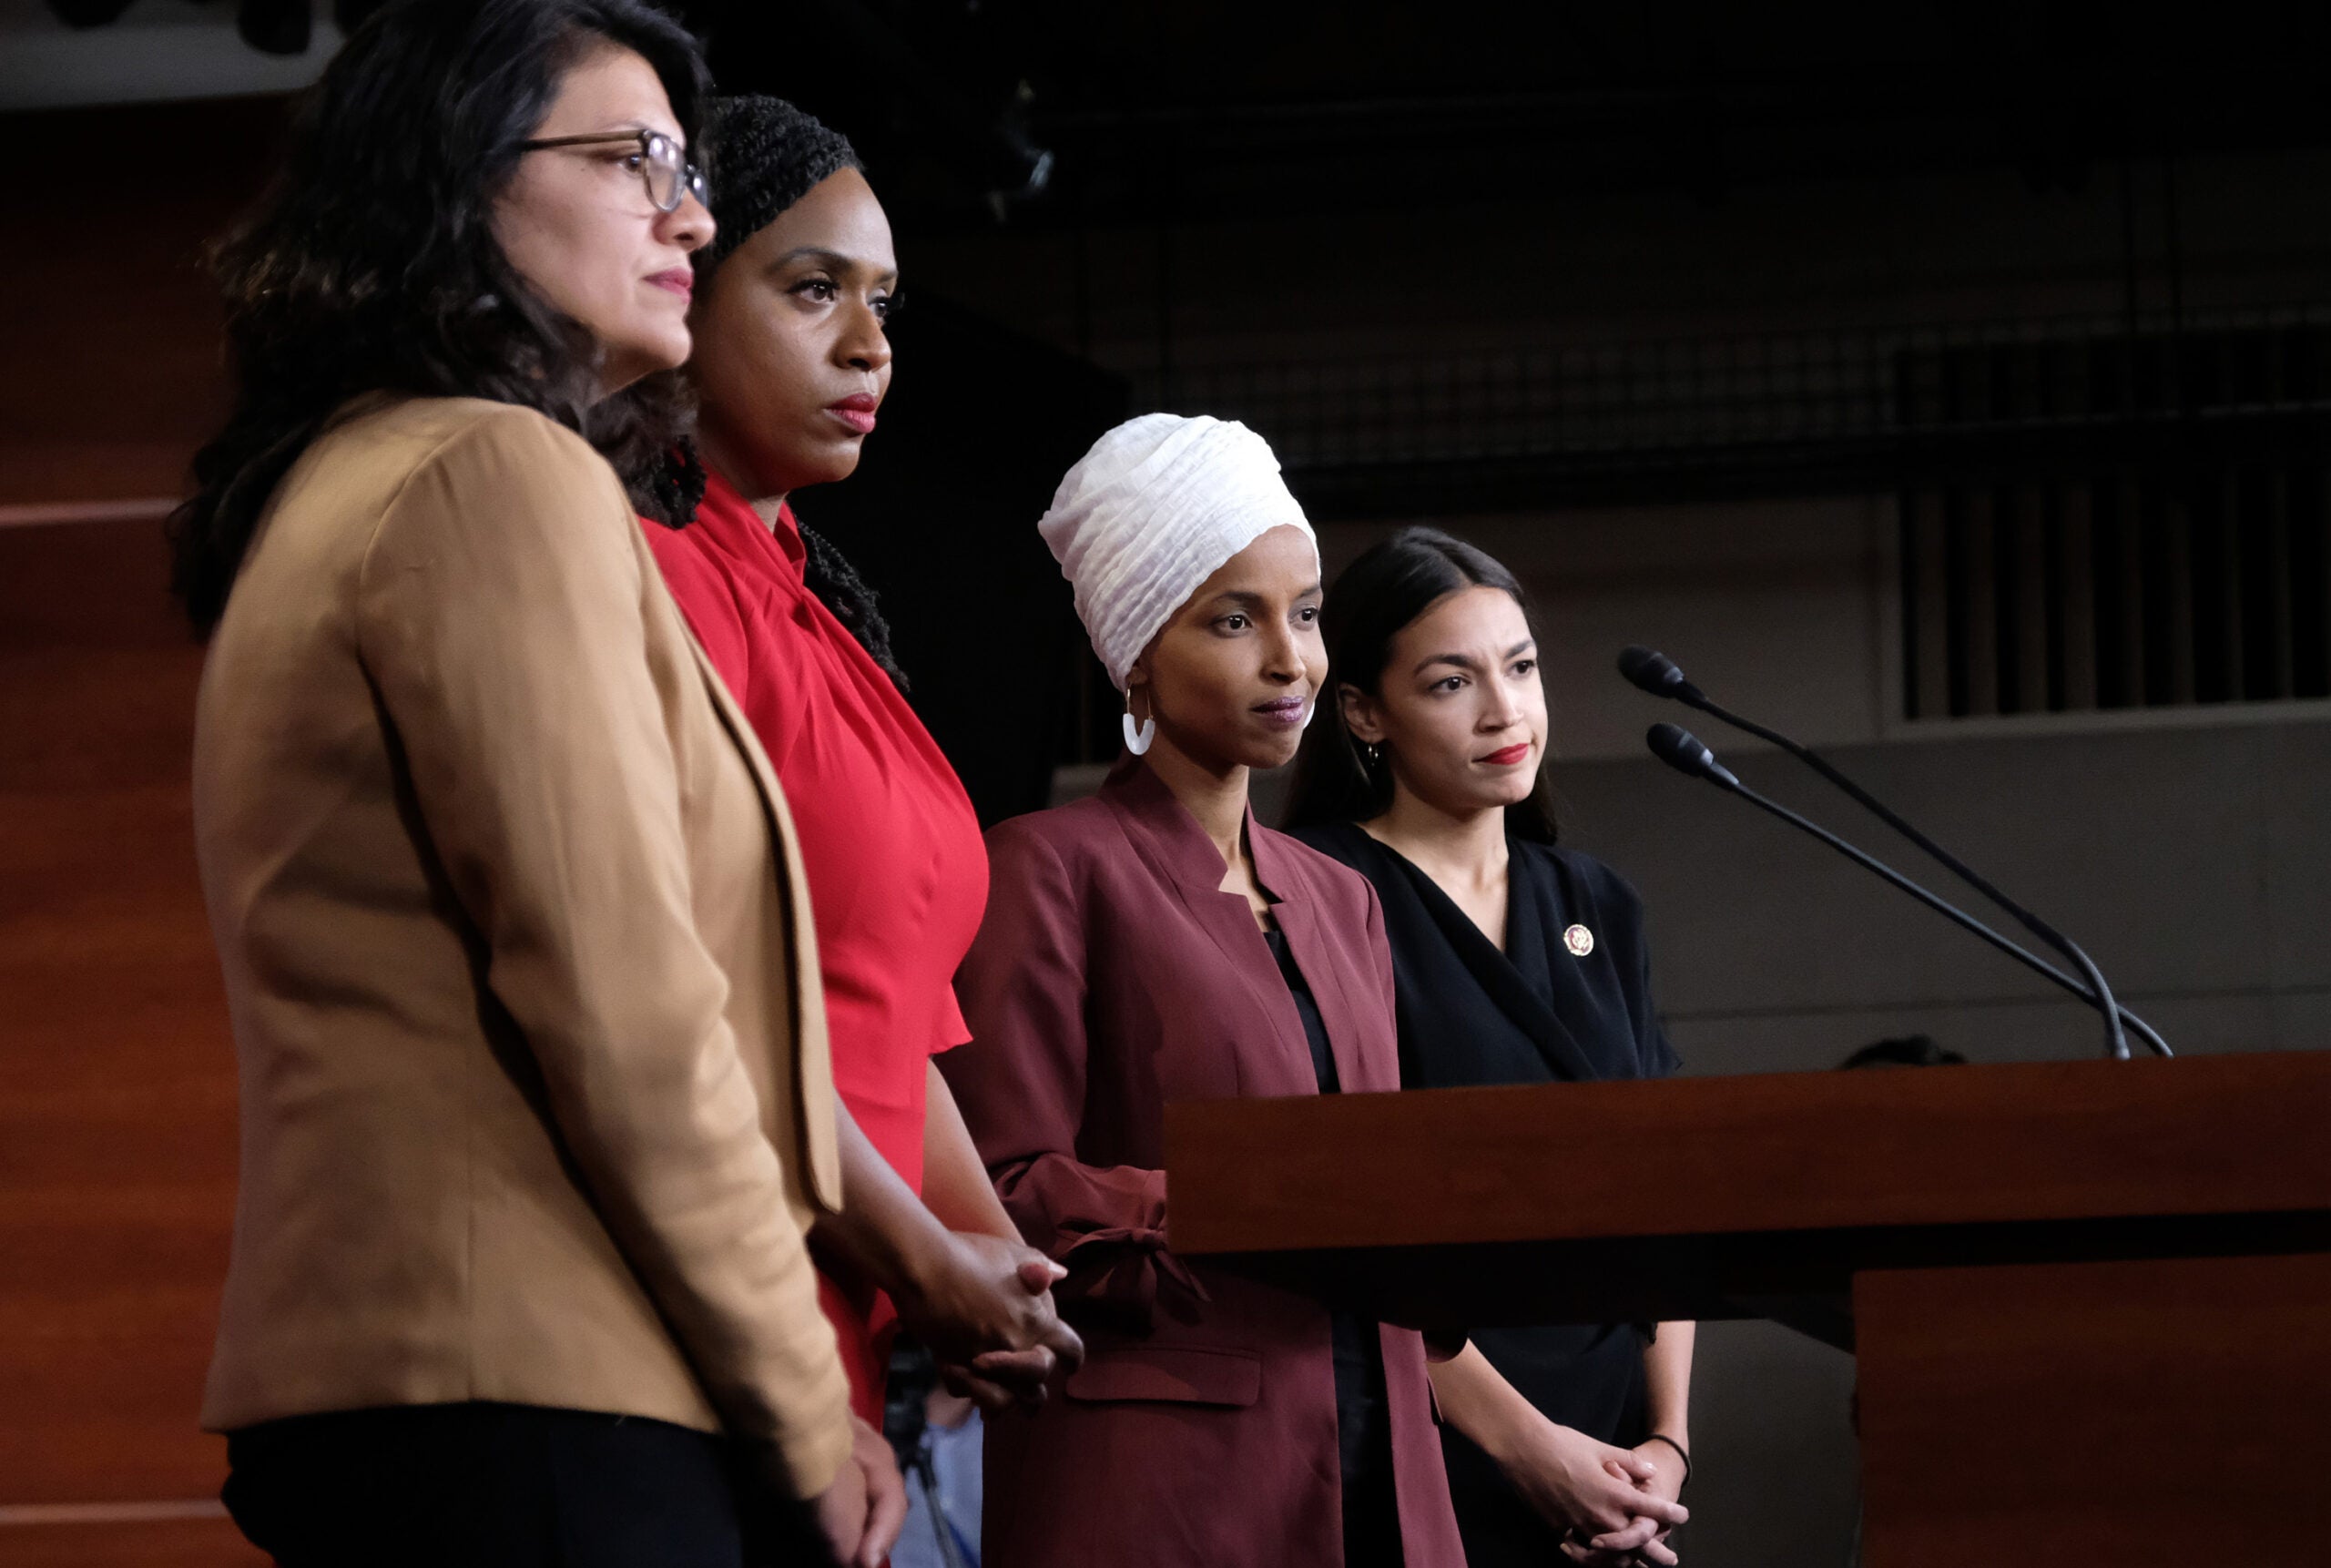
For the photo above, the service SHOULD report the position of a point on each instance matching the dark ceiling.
(1186, 108)
(1205, 106)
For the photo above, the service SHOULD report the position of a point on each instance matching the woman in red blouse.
(791, 363)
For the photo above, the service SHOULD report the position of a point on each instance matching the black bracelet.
(1671, 1442)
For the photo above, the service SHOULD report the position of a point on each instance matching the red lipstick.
(1510, 757)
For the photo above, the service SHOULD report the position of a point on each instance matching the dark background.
(1105, 208)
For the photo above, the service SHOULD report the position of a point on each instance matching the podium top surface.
(2021, 1144)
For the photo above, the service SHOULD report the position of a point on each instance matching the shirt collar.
(723, 500)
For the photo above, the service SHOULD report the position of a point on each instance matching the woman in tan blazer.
(535, 1101)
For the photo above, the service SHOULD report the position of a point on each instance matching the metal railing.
(1807, 403)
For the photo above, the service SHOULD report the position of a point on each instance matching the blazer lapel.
(814, 1062)
(1166, 835)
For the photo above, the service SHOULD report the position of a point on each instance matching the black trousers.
(502, 1486)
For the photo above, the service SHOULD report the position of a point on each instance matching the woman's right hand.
(861, 1515)
(985, 1306)
(1592, 1490)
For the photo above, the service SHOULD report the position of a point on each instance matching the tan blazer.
(535, 1100)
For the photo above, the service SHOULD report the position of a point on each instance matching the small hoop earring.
(1137, 739)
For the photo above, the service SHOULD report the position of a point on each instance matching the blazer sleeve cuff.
(808, 1464)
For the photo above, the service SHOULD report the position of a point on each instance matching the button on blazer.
(536, 1105)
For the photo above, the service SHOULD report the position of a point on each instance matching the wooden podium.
(2091, 1302)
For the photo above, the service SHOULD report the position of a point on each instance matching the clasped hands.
(985, 1306)
(1619, 1505)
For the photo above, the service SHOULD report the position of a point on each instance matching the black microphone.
(1688, 755)
(1657, 674)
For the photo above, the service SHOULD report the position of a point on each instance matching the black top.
(1370, 1515)
(1537, 1012)
(1542, 1011)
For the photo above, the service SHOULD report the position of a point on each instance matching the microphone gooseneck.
(1661, 677)
(1688, 755)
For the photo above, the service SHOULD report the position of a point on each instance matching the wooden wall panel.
(111, 356)
(116, 1088)
(149, 1543)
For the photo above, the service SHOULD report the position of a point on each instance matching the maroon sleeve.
(1021, 1083)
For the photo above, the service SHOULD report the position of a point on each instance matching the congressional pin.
(1579, 940)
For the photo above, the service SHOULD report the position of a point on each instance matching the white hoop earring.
(1137, 739)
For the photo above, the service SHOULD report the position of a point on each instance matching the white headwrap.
(1152, 511)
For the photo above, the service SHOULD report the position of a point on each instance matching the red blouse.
(897, 871)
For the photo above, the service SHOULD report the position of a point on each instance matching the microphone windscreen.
(1653, 671)
(1680, 749)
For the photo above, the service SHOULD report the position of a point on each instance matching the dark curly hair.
(369, 265)
(1373, 601)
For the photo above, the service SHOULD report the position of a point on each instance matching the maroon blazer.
(1111, 975)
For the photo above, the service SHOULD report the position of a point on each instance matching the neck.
(1468, 845)
(720, 459)
(1215, 796)
(614, 377)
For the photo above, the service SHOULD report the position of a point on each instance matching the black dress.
(1372, 1515)
(1539, 1011)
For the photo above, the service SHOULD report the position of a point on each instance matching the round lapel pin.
(1579, 940)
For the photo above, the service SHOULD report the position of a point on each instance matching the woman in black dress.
(1515, 961)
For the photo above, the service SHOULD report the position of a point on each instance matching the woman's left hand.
(1667, 1479)
(1656, 1473)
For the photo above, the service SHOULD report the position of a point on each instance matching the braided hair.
(828, 574)
(765, 156)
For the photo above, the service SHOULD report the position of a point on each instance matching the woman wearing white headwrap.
(1156, 943)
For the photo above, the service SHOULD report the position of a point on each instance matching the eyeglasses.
(668, 175)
